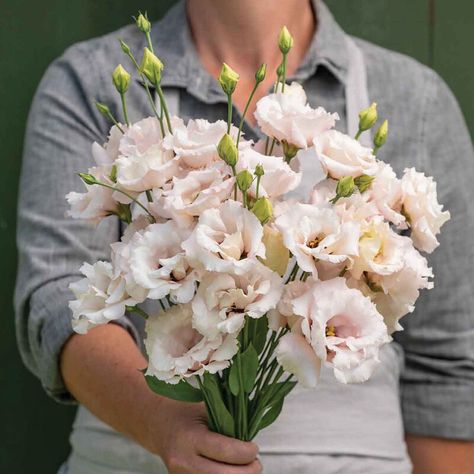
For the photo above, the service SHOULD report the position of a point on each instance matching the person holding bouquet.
(419, 402)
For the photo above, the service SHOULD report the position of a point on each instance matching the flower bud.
(227, 150)
(261, 73)
(263, 210)
(244, 180)
(381, 135)
(125, 47)
(113, 174)
(88, 178)
(368, 117)
(259, 171)
(143, 24)
(121, 79)
(276, 254)
(289, 150)
(345, 187)
(228, 79)
(103, 109)
(151, 66)
(279, 72)
(285, 40)
(363, 182)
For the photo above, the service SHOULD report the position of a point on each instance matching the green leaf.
(259, 334)
(224, 419)
(182, 391)
(271, 415)
(234, 384)
(249, 367)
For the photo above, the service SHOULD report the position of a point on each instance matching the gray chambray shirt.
(427, 131)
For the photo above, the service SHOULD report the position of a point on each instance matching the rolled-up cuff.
(49, 328)
(439, 410)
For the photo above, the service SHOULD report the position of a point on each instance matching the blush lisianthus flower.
(195, 144)
(140, 137)
(225, 239)
(176, 350)
(95, 204)
(188, 197)
(223, 299)
(287, 116)
(386, 193)
(420, 205)
(100, 297)
(395, 293)
(278, 179)
(158, 264)
(343, 328)
(343, 156)
(313, 233)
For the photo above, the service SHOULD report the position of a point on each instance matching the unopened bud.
(121, 79)
(151, 66)
(261, 73)
(289, 150)
(381, 135)
(125, 47)
(345, 187)
(143, 24)
(103, 109)
(285, 40)
(88, 178)
(244, 180)
(363, 182)
(279, 71)
(227, 150)
(263, 210)
(228, 79)
(259, 171)
(113, 174)
(368, 117)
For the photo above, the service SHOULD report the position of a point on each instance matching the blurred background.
(33, 429)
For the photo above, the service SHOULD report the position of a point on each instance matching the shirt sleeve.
(437, 384)
(62, 126)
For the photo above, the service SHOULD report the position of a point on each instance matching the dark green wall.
(33, 429)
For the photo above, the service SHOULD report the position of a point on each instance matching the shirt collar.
(174, 45)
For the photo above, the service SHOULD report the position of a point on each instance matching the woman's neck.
(243, 33)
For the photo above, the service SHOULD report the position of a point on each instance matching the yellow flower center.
(330, 331)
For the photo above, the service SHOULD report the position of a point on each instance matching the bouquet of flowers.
(254, 287)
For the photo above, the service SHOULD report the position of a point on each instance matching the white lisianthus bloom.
(225, 239)
(381, 250)
(223, 299)
(313, 233)
(386, 193)
(342, 155)
(158, 263)
(142, 172)
(199, 190)
(424, 213)
(278, 179)
(288, 116)
(95, 204)
(141, 137)
(395, 293)
(195, 144)
(176, 350)
(343, 328)
(100, 297)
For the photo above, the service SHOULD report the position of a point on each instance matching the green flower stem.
(137, 310)
(376, 149)
(114, 121)
(148, 39)
(258, 187)
(229, 112)
(235, 184)
(124, 107)
(293, 273)
(283, 76)
(358, 134)
(212, 415)
(114, 188)
(164, 107)
(247, 105)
